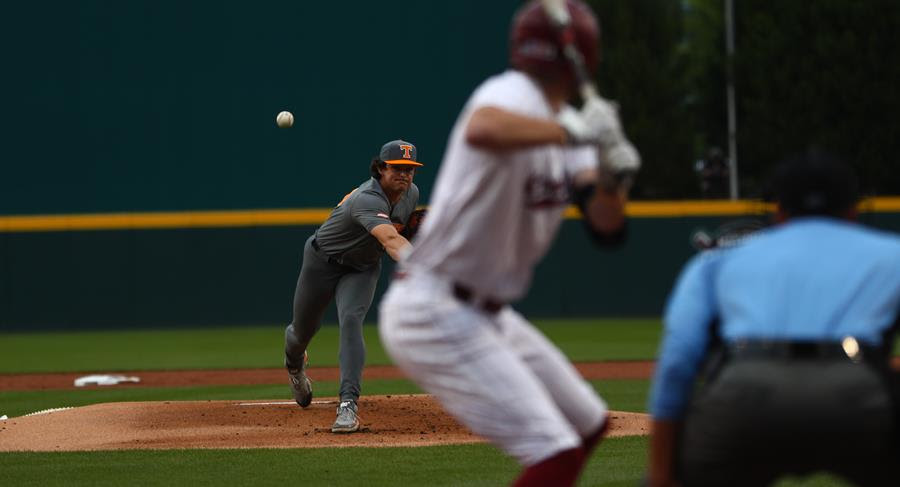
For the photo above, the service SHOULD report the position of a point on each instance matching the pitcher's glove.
(413, 223)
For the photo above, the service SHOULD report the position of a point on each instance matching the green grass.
(249, 347)
(261, 347)
(623, 394)
(617, 462)
(604, 339)
(223, 348)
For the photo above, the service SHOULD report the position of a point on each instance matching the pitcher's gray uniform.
(342, 260)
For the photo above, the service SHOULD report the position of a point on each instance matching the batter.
(517, 156)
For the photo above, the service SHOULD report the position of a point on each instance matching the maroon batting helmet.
(534, 42)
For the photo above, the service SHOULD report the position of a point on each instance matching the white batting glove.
(618, 166)
(596, 123)
(620, 158)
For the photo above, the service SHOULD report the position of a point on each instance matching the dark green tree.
(705, 72)
(645, 68)
(808, 73)
(821, 72)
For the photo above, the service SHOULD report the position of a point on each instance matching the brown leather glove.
(413, 223)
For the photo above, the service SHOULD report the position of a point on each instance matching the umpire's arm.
(394, 243)
(690, 309)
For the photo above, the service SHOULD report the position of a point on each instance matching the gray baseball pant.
(353, 291)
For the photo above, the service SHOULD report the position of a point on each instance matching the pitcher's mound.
(396, 420)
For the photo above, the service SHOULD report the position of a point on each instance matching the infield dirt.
(395, 420)
(387, 421)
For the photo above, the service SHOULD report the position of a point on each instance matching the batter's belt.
(466, 295)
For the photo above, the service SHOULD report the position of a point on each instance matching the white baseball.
(285, 119)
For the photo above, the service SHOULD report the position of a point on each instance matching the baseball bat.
(558, 13)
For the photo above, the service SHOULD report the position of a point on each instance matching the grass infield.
(618, 462)
(251, 347)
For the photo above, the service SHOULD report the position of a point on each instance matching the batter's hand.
(621, 161)
(596, 123)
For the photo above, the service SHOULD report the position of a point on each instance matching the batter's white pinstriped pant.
(495, 373)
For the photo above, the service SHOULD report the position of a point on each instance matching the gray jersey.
(345, 234)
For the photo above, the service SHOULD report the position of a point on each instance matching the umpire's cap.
(815, 183)
(399, 152)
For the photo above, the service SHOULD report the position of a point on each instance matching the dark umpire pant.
(321, 280)
(761, 418)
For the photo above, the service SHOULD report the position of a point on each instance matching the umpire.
(342, 260)
(804, 314)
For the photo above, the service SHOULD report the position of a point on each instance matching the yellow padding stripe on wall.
(315, 216)
(142, 221)
(689, 208)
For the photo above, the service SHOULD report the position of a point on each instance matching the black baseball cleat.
(301, 386)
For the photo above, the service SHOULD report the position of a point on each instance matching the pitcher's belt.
(331, 260)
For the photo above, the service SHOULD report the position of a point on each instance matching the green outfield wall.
(144, 182)
(165, 105)
(174, 270)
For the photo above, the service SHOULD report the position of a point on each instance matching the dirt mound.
(398, 420)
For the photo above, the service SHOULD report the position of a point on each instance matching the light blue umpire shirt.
(812, 278)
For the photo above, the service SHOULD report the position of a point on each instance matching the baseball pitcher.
(342, 261)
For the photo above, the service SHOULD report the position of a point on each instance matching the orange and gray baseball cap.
(399, 152)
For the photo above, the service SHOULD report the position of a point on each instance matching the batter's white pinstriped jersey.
(493, 215)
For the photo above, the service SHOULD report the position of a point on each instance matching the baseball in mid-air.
(285, 119)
